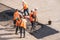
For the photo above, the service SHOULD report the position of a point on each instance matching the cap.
(36, 9)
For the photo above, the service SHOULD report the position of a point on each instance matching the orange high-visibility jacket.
(31, 18)
(21, 23)
(16, 15)
(18, 22)
(25, 6)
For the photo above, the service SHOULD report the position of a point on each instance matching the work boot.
(16, 33)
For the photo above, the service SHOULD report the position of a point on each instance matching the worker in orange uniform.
(16, 15)
(32, 19)
(35, 13)
(21, 24)
(23, 27)
(25, 8)
(18, 22)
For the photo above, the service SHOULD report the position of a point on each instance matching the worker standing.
(32, 19)
(23, 27)
(25, 8)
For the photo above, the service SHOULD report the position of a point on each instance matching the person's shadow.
(43, 31)
(7, 14)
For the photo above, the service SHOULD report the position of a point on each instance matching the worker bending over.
(25, 8)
